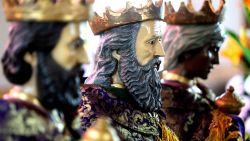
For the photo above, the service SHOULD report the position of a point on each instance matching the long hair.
(27, 37)
(119, 38)
(133, 75)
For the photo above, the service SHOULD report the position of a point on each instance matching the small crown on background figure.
(187, 15)
(147, 10)
(46, 10)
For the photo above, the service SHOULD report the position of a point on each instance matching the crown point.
(207, 7)
(45, 10)
(182, 4)
(183, 8)
(187, 15)
(222, 3)
(169, 7)
(190, 5)
(141, 10)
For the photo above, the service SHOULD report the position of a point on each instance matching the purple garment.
(131, 122)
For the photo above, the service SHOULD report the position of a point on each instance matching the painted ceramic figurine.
(125, 85)
(42, 57)
(191, 42)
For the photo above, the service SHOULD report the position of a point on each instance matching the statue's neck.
(30, 87)
(175, 76)
(116, 81)
(27, 92)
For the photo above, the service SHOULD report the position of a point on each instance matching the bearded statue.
(125, 85)
(42, 59)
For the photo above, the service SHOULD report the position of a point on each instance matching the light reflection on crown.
(132, 11)
(46, 10)
(187, 15)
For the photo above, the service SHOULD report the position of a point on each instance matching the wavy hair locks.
(119, 38)
(27, 37)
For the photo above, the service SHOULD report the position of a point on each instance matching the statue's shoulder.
(19, 119)
(171, 89)
(175, 85)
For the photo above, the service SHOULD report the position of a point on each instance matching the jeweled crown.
(46, 10)
(141, 11)
(187, 14)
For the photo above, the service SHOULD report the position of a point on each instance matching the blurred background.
(4, 85)
(234, 19)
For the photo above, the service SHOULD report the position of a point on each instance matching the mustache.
(154, 63)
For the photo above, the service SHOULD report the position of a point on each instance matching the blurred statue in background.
(42, 58)
(191, 43)
(125, 85)
(237, 50)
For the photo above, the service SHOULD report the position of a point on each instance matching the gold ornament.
(15, 93)
(187, 14)
(172, 76)
(101, 131)
(46, 10)
(229, 102)
(133, 11)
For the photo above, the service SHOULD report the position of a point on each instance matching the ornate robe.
(24, 121)
(131, 122)
(194, 117)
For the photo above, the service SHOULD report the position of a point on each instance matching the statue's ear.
(186, 56)
(31, 58)
(183, 57)
(116, 55)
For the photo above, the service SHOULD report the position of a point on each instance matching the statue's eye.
(151, 42)
(214, 48)
(77, 43)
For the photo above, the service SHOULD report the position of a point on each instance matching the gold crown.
(130, 13)
(187, 14)
(46, 10)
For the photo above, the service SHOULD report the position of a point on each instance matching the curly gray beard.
(142, 82)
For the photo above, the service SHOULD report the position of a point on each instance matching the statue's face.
(202, 61)
(59, 70)
(137, 70)
(69, 50)
(148, 43)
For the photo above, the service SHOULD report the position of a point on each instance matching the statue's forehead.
(152, 26)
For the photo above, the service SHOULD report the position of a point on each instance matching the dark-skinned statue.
(125, 85)
(191, 41)
(42, 59)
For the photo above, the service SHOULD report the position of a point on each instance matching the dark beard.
(59, 89)
(142, 82)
